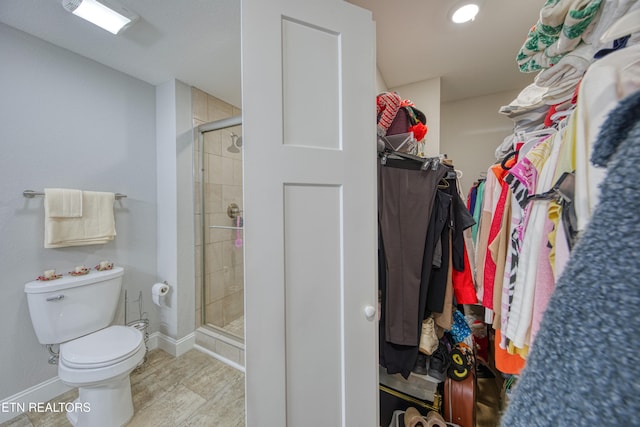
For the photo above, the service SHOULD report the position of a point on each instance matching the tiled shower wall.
(224, 273)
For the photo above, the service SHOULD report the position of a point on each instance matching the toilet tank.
(72, 306)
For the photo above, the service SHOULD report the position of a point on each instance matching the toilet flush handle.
(56, 298)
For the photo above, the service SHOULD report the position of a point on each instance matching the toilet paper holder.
(141, 324)
(158, 292)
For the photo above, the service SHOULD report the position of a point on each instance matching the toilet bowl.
(76, 312)
(99, 365)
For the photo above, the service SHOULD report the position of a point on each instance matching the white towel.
(62, 203)
(96, 226)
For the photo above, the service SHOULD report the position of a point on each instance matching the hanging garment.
(604, 84)
(398, 358)
(499, 249)
(544, 283)
(463, 286)
(569, 379)
(522, 179)
(405, 201)
(521, 307)
(559, 253)
(495, 226)
(444, 318)
(471, 198)
(477, 211)
(462, 273)
(505, 362)
(436, 262)
(490, 198)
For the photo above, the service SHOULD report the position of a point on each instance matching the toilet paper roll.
(158, 292)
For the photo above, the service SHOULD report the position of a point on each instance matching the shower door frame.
(202, 129)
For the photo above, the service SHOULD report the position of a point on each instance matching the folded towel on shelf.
(95, 226)
(62, 203)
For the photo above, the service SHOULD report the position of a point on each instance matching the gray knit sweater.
(584, 367)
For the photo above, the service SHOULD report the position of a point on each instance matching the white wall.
(426, 97)
(381, 86)
(175, 208)
(472, 129)
(68, 122)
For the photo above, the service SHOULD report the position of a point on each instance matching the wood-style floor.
(191, 390)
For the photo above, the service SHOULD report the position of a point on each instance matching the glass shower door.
(221, 222)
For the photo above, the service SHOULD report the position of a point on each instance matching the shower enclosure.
(219, 226)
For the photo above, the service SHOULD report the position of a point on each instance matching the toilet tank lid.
(69, 281)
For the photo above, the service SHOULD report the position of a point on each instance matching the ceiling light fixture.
(113, 18)
(464, 11)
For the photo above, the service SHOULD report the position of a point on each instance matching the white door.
(310, 213)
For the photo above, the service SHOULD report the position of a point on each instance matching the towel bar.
(31, 194)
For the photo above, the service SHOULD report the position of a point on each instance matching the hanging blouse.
(606, 82)
(522, 179)
(521, 308)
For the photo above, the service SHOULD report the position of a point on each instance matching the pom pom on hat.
(419, 131)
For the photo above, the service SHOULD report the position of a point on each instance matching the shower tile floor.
(191, 390)
(236, 327)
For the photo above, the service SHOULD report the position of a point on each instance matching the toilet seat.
(103, 348)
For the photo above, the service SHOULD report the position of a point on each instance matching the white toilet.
(75, 312)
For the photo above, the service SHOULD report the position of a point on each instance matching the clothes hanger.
(538, 132)
(532, 138)
(561, 114)
(562, 189)
(426, 162)
(503, 163)
(443, 184)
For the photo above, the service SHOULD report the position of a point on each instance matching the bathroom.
(74, 123)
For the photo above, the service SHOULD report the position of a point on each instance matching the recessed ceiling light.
(464, 12)
(110, 16)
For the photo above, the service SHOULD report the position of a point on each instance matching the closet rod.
(31, 194)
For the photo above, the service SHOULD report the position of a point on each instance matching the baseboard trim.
(173, 347)
(17, 404)
(220, 358)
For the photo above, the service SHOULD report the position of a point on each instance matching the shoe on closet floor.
(434, 419)
(439, 362)
(428, 337)
(420, 367)
(413, 418)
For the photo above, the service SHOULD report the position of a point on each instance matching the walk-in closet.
(499, 293)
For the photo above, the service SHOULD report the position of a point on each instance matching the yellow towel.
(96, 226)
(62, 203)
